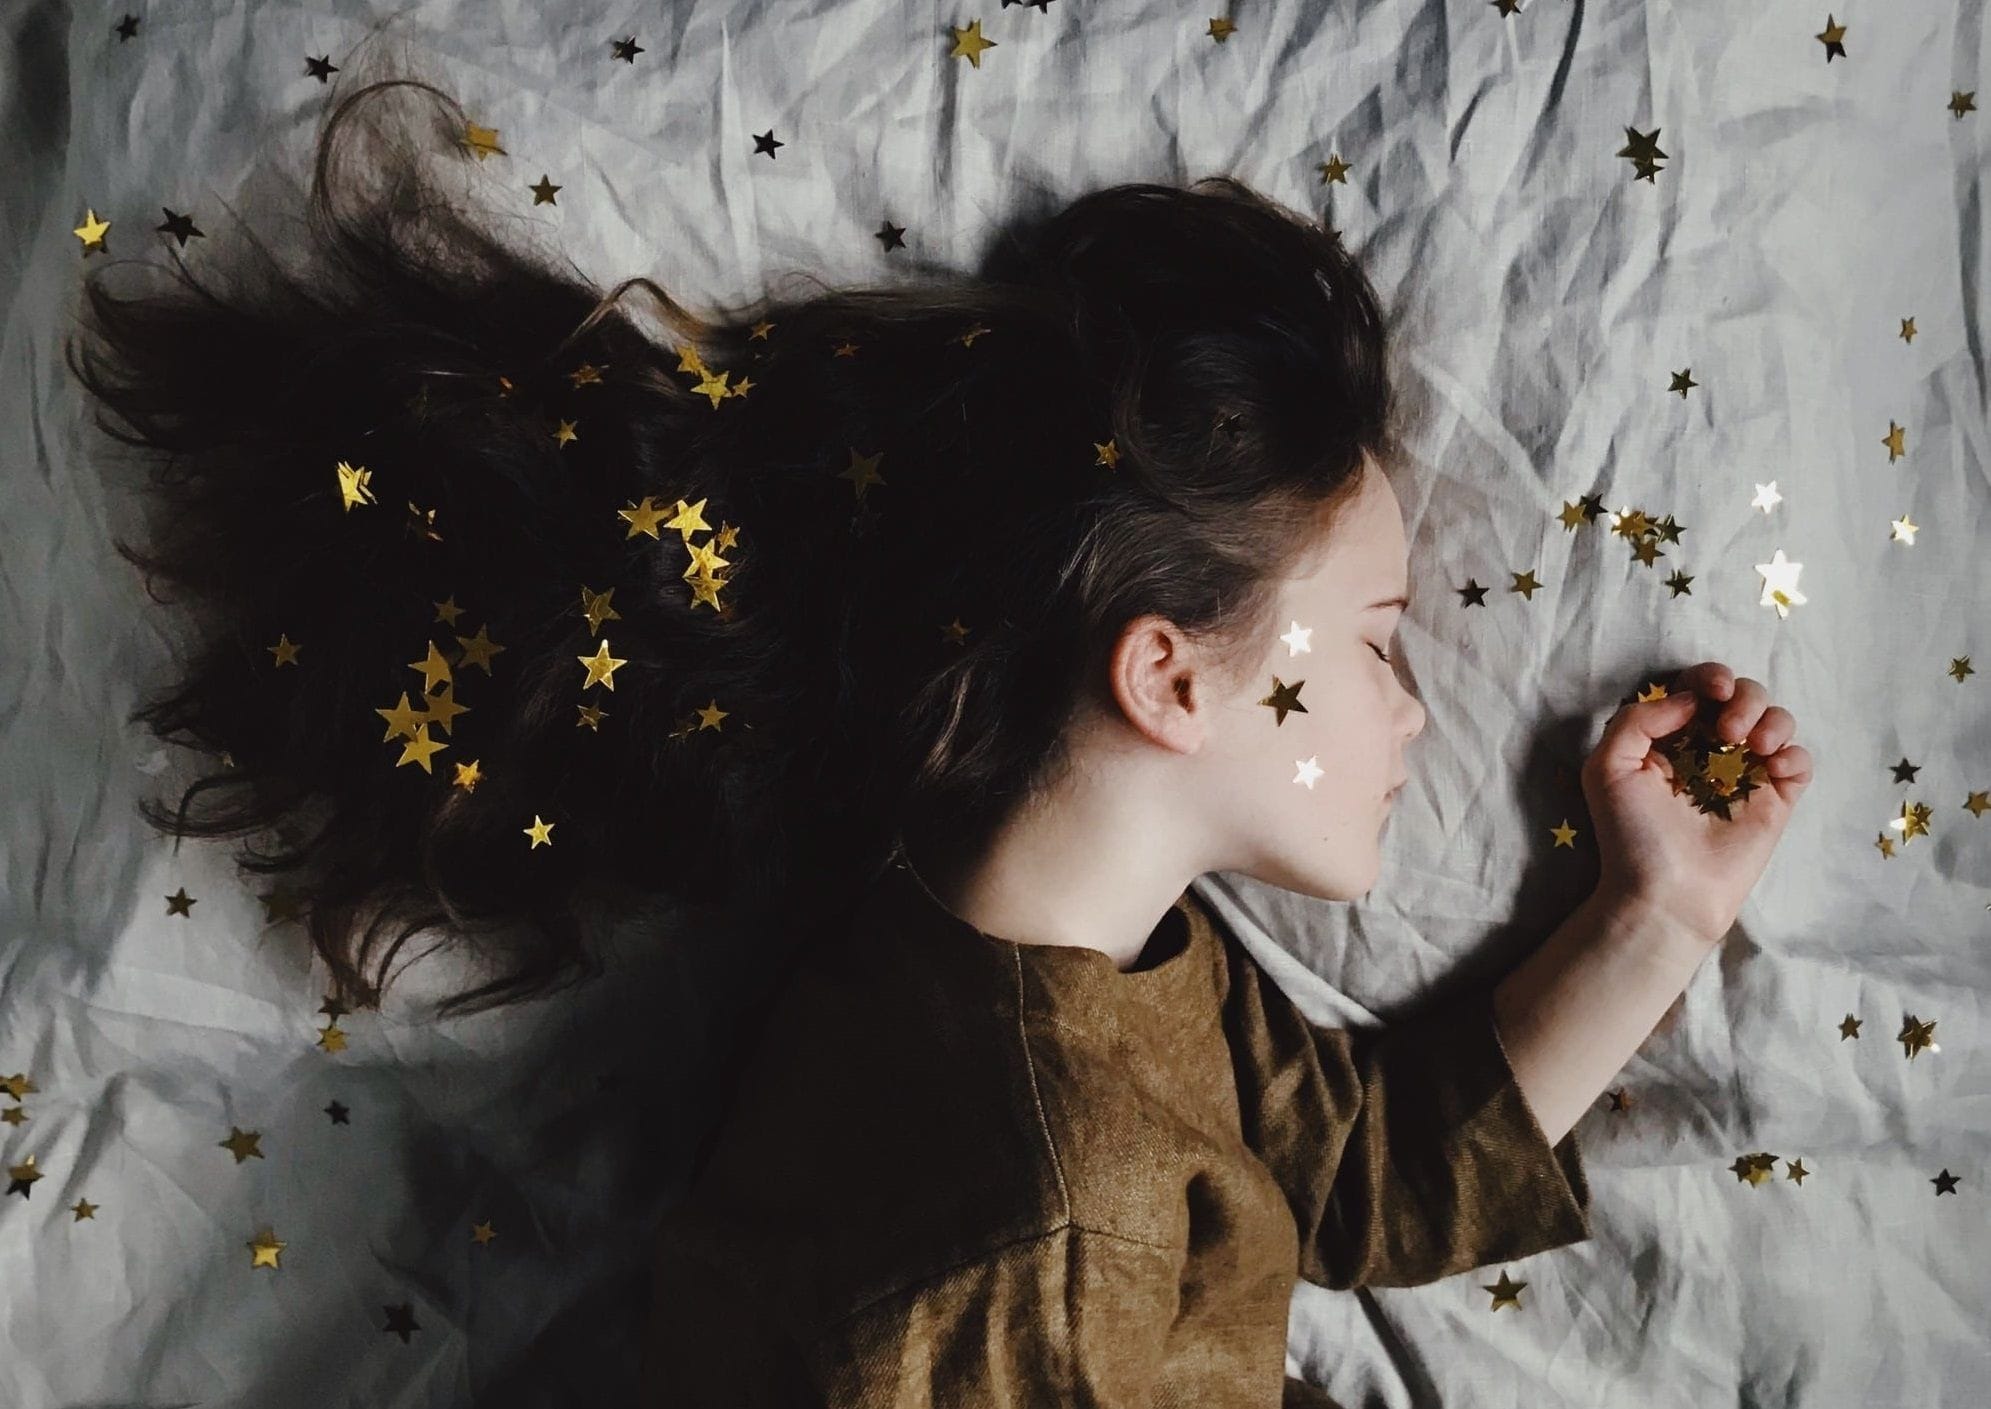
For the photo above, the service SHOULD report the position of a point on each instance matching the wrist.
(1650, 926)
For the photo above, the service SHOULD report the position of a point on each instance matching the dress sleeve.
(1408, 1153)
(1073, 1317)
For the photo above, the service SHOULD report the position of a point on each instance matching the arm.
(1573, 1013)
(1406, 1152)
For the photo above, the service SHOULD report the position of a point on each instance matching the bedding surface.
(1691, 320)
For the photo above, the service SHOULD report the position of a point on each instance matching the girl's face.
(1299, 802)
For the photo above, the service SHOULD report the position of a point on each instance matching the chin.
(1342, 884)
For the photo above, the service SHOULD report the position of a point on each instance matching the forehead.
(1365, 547)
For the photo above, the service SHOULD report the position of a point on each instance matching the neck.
(1035, 883)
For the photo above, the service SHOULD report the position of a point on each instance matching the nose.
(1418, 716)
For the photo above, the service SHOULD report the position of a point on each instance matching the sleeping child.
(1002, 607)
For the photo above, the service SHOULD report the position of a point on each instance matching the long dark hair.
(863, 554)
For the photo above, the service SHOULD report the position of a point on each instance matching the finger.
(1772, 731)
(1740, 714)
(1710, 678)
(1628, 737)
(1790, 772)
(1785, 763)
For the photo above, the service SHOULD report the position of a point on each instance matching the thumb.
(1628, 737)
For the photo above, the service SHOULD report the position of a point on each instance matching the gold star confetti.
(180, 903)
(482, 140)
(1849, 1027)
(354, 485)
(687, 520)
(18, 1085)
(1796, 1171)
(862, 472)
(443, 707)
(332, 1038)
(1916, 1037)
(266, 1249)
(1506, 1292)
(1713, 772)
(242, 1143)
(83, 1209)
(1565, 835)
(1753, 1169)
(595, 607)
(285, 650)
(401, 1321)
(540, 831)
(642, 517)
(421, 749)
(21, 1177)
(1945, 1183)
(482, 1233)
(1780, 584)
(402, 720)
(1643, 150)
(969, 44)
(1913, 821)
(713, 384)
(434, 669)
(1285, 699)
(479, 650)
(92, 231)
(601, 667)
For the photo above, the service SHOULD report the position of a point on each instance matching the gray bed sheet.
(488, 1185)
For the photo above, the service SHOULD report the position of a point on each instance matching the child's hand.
(1657, 847)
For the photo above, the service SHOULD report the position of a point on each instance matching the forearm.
(1573, 1013)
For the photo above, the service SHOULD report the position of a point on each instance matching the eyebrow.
(1403, 602)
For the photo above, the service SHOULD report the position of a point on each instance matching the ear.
(1160, 683)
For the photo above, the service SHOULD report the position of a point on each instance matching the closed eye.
(1379, 652)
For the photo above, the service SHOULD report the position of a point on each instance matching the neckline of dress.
(1074, 957)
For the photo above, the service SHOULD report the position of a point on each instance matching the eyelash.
(1379, 651)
